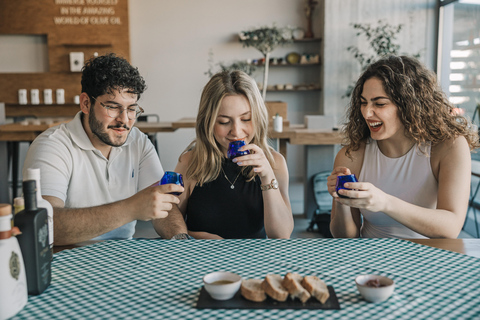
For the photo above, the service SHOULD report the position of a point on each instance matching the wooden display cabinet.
(80, 26)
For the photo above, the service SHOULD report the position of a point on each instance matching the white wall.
(170, 44)
(340, 68)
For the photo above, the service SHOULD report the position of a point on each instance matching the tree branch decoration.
(248, 68)
(265, 40)
(380, 41)
(309, 6)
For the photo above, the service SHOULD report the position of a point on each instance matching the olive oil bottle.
(33, 240)
(13, 288)
(34, 174)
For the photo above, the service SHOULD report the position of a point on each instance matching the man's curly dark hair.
(423, 107)
(106, 73)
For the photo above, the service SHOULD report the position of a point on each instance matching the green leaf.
(381, 41)
(266, 39)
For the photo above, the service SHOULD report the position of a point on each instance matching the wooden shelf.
(307, 40)
(41, 110)
(39, 17)
(18, 127)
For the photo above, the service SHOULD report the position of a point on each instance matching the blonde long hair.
(206, 161)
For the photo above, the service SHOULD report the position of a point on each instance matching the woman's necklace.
(231, 183)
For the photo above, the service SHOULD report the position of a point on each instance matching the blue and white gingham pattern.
(161, 279)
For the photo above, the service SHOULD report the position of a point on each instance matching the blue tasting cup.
(233, 149)
(341, 180)
(172, 177)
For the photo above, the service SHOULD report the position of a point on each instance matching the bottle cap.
(19, 201)
(32, 174)
(5, 209)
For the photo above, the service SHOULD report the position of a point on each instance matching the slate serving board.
(238, 302)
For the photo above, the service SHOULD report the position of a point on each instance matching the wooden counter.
(18, 132)
(153, 127)
(298, 134)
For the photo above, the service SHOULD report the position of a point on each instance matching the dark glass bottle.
(37, 256)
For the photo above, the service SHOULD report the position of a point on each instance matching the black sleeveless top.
(230, 213)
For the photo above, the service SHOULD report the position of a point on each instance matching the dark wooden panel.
(86, 26)
(11, 82)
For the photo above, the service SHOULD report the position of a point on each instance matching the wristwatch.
(182, 236)
(272, 185)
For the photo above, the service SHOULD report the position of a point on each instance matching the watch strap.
(182, 236)
(272, 185)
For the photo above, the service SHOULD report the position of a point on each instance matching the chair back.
(320, 190)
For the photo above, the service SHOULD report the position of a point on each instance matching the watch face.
(274, 184)
(271, 185)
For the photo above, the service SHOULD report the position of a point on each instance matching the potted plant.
(244, 66)
(380, 41)
(265, 40)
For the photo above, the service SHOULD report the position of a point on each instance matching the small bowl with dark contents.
(375, 288)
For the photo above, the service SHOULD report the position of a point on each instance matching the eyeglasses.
(114, 111)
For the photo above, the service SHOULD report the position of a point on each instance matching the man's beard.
(97, 129)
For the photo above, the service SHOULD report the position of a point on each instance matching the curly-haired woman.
(410, 152)
(246, 197)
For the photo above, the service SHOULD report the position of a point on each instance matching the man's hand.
(154, 202)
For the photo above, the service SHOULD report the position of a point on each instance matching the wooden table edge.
(470, 247)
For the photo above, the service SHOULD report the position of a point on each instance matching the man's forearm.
(173, 224)
(77, 225)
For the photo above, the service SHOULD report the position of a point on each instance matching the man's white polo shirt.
(77, 173)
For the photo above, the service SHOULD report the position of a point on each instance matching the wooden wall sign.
(86, 26)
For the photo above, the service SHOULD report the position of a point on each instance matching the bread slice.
(273, 287)
(292, 281)
(316, 287)
(251, 289)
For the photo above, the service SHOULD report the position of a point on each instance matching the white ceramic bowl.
(222, 285)
(374, 294)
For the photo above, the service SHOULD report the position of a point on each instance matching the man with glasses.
(97, 170)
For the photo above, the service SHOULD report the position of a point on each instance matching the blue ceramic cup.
(341, 180)
(172, 177)
(233, 149)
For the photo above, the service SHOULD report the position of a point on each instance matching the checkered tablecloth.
(161, 279)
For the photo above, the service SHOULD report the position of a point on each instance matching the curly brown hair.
(423, 107)
(102, 74)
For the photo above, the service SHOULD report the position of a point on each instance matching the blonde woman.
(246, 197)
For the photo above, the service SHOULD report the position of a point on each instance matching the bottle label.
(14, 265)
(43, 235)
